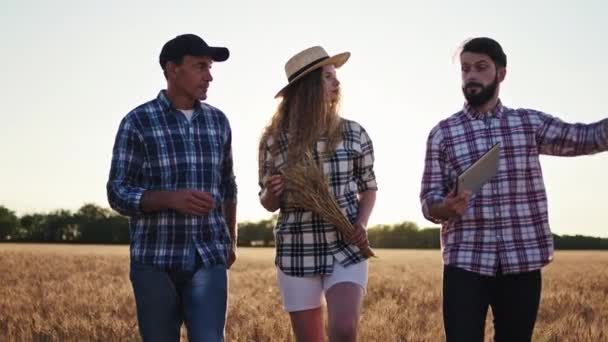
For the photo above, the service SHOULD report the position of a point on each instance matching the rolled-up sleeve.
(228, 183)
(364, 165)
(434, 186)
(265, 167)
(558, 138)
(124, 194)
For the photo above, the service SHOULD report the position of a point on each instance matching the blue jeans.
(166, 298)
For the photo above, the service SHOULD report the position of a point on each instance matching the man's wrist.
(169, 199)
(439, 212)
(155, 200)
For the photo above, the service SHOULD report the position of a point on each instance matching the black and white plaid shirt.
(306, 245)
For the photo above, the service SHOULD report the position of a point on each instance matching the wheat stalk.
(307, 188)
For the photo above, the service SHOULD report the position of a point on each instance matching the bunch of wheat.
(307, 188)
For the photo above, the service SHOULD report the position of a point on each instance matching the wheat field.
(82, 293)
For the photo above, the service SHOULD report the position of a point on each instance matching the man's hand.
(192, 202)
(455, 205)
(359, 236)
(231, 256)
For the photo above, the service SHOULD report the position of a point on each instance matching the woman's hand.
(359, 236)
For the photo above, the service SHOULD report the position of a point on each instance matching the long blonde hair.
(306, 116)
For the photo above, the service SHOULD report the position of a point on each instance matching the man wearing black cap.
(172, 174)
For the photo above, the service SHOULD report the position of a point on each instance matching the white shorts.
(305, 293)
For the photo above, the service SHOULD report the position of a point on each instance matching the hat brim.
(337, 61)
(219, 54)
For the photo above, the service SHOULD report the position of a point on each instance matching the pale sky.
(73, 69)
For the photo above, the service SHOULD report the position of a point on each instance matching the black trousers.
(514, 299)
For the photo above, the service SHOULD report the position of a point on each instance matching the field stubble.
(82, 293)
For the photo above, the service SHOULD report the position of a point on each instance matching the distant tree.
(579, 242)
(405, 235)
(430, 237)
(33, 227)
(101, 225)
(61, 226)
(57, 226)
(8, 224)
(91, 212)
(401, 235)
(256, 233)
(95, 224)
(378, 236)
(119, 229)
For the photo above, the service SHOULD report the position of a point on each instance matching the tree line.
(94, 224)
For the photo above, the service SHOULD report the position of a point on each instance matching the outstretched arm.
(559, 138)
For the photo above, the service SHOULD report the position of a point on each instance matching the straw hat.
(309, 60)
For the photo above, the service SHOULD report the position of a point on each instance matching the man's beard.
(482, 96)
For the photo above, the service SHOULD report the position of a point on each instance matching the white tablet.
(480, 172)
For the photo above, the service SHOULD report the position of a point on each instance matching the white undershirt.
(188, 113)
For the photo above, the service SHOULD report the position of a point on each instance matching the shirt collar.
(168, 106)
(474, 114)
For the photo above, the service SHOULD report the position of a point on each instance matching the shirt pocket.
(166, 165)
(340, 167)
(209, 157)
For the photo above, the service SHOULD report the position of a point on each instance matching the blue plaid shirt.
(157, 148)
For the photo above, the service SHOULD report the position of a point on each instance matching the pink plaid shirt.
(507, 222)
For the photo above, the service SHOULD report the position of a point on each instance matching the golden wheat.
(83, 293)
(307, 188)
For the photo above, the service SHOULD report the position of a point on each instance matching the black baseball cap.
(190, 44)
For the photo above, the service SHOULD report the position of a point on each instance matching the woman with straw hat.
(314, 260)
